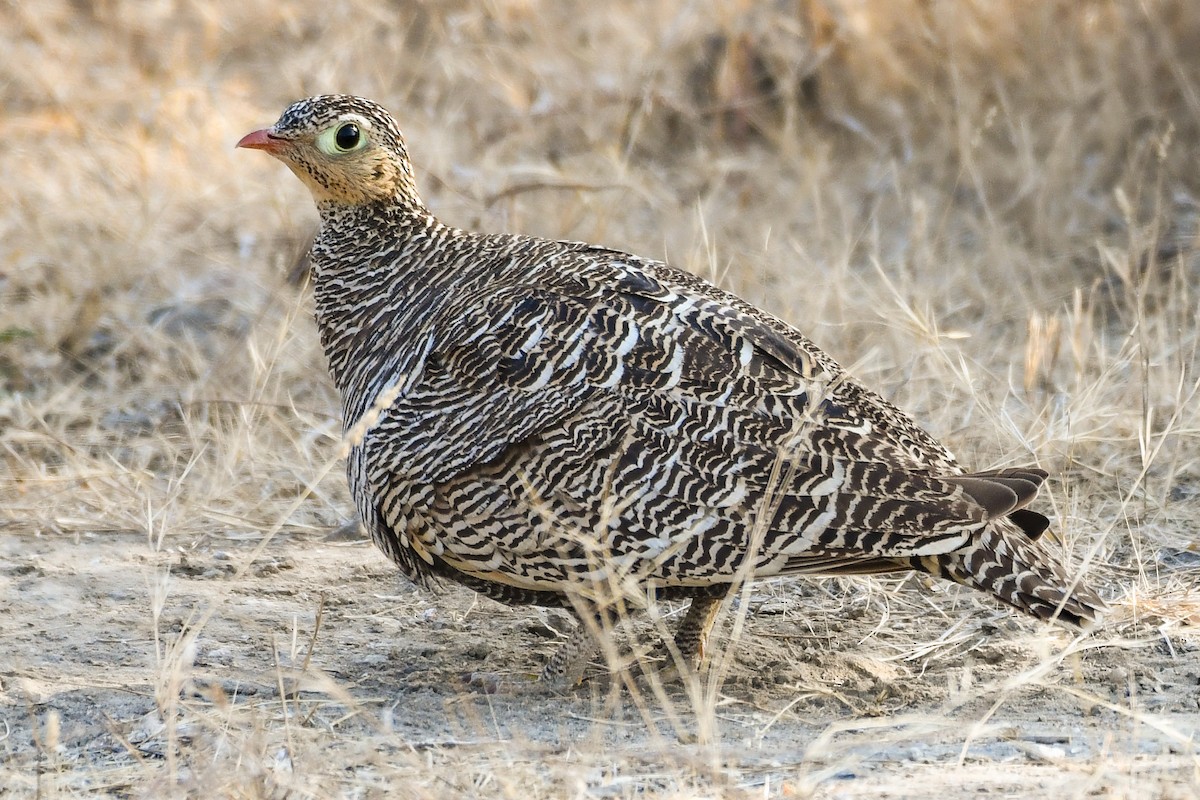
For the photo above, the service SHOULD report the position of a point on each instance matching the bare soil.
(831, 689)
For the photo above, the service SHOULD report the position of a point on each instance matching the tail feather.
(1001, 491)
(1005, 563)
(1031, 523)
(1007, 492)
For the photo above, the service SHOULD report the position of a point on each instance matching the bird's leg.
(691, 637)
(689, 653)
(567, 664)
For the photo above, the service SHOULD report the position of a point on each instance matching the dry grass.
(989, 209)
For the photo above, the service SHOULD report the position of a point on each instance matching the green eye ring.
(344, 137)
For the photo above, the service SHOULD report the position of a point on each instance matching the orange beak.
(261, 140)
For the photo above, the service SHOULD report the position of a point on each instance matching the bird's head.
(347, 150)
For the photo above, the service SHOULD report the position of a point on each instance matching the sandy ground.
(824, 695)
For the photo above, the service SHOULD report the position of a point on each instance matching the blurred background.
(988, 210)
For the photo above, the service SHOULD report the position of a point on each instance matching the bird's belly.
(503, 530)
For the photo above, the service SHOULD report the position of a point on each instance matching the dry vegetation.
(989, 209)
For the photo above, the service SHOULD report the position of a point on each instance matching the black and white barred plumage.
(555, 419)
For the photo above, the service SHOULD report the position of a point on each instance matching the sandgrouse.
(558, 423)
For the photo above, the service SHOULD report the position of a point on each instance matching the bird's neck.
(377, 283)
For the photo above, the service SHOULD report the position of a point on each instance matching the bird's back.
(571, 415)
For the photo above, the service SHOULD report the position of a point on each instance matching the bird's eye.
(347, 136)
(344, 138)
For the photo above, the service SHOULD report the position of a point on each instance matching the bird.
(562, 424)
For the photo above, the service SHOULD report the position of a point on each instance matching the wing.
(617, 393)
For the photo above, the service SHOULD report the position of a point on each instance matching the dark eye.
(347, 136)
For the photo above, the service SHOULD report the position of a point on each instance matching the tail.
(1004, 562)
